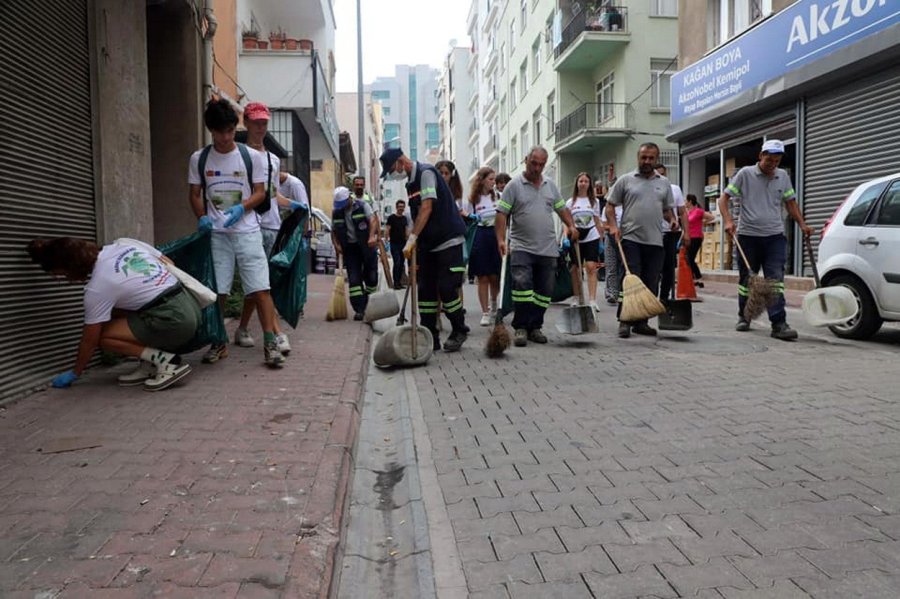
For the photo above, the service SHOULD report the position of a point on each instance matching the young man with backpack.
(227, 182)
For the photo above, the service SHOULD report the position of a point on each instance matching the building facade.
(409, 109)
(455, 119)
(347, 115)
(819, 75)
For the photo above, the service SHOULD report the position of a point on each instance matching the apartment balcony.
(489, 151)
(490, 63)
(472, 63)
(590, 38)
(473, 132)
(473, 102)
(591, 124)
(292, 80)
(490, 109)
(492, 10)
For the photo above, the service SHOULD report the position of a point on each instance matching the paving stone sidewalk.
(229, 485)
(708, 464)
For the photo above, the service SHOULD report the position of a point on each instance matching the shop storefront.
(829, 89)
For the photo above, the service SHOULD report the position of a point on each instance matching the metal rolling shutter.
(47, 184)
(851, 137)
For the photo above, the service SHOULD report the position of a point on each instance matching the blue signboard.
(798, 35)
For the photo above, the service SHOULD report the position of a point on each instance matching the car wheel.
(867, 321)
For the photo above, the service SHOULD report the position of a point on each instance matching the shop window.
(857, 215)
(889, 214)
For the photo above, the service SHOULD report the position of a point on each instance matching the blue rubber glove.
(566, 244)
(296, 205)
(475, 218)
(387, 247)
(205, 224)
(61, 381)
(233, 215)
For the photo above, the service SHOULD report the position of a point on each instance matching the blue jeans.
(770, 253)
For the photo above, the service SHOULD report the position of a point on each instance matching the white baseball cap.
(773, 146)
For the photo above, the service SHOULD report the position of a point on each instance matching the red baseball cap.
(255, 111)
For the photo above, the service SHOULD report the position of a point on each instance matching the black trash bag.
(193, 255)
(289, 267)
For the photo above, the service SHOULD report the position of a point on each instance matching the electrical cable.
(655, 80)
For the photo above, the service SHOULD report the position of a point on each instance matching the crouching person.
(132, 306)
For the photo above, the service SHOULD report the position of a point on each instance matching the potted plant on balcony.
(290, 43)
(249, 37)
(277, 38)
(306, 45)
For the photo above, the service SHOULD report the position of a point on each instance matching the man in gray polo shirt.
(763, 189)
(645, 197)
(530, 200)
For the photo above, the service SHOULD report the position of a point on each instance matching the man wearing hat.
(763, 189)
(437, 237)
(354, 234)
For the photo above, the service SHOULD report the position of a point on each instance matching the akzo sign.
(798, 35)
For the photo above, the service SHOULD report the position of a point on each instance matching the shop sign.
(798, 35)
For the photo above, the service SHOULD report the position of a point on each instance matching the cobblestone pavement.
(712, 464)
(230, 485)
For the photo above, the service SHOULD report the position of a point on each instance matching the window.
(413, 118)
(503, 57)
(513, 153)
(523, 134)
(660, 82)
(889, 213)
(503, 111)
(503, 160)
(452, 112)
(548, 36)
(857, 215)
(663, 8)
(523, 79)
(512, 37)
(605, 90)
(536, 127)
(392, 135)
(551, 110)
(512, 96)
(381, 94)
(432, 135)
(386, 110)
(523, 18)
(536, 58)
(670, 159)
(728, 18)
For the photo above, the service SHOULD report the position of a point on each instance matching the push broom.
(760, 291)
(337, 308)
(638, 302)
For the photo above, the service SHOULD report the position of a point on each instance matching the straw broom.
(337, 308)
(760, 291)
(638, 302)
(498, 340)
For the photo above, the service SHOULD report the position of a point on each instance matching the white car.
(860, 249)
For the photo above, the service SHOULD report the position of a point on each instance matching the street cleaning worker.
(132, 306)
(763, 189)
(437, 237)
(531, 200)
(354, 234)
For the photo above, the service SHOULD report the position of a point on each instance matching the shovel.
(579, 319)
(382, 304)
(405, 344)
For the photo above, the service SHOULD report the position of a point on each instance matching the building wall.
(456, 87)
(225, 45)
(123, 106)
(410, 110)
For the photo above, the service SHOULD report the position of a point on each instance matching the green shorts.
(167, 323)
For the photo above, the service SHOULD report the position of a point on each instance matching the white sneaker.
(242, 338)
(486, 319)
(272, 356)
(282, 343)
(144, 371)
(167, 376)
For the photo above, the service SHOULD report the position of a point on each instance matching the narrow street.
(712, 463)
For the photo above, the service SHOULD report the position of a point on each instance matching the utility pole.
(360, 101)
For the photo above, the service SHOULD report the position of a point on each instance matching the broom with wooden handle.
(337, 308)
(760, 291)
(638, 302)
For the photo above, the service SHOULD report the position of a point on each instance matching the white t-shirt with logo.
(294, 189)
(583, 214)
(486, 209)
(125, 277)
(227, 185)
(272, 218)
(618, 210)
(664, 225)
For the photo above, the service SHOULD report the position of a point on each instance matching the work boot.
(642, 328)
(783, 331)
(743, 325)
(624, 330)
(521, 338)
(537, 336)
(454, 341)
(436, 342)
(358, 316)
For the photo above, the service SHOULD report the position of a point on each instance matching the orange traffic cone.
(685, 286)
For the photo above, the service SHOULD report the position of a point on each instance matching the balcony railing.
(612, 19)
(594, 116)
(489, 148)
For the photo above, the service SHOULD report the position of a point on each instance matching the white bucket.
(840, 306)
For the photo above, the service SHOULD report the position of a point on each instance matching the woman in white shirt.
(585, 211)
(132, 306)
(484, 260)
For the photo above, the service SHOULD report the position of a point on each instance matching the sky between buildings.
(396, 32)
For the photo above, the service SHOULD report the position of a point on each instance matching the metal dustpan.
(578, 319)
(382, 304)
(827, 306)
(679, 316)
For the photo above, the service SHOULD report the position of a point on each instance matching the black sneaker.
(464, 328)
(454, 341)
(742, 326)
(624, 330)
(537, 336)
(642, 328)
(784, 332)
